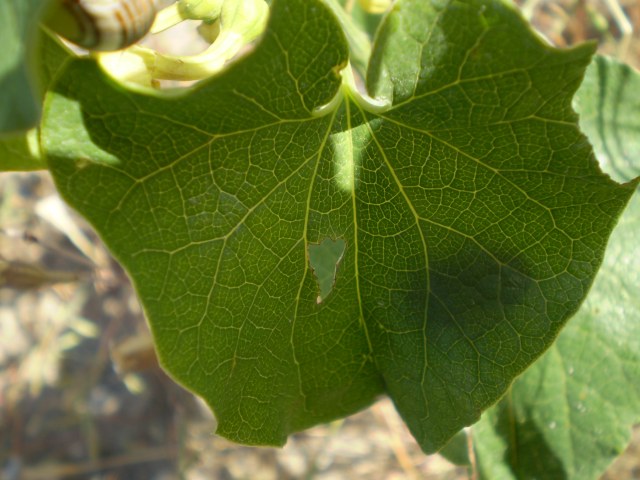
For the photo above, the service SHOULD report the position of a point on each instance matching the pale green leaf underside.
(609, 105)
(473, 215)
(570, 414)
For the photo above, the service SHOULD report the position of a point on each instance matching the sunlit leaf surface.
(472, 212)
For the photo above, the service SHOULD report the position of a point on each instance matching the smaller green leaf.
(359, 43)
(368, 22)
(609, 106)
(457, 450)
(20, 105)
(21, 151)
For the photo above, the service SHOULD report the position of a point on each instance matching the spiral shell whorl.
(106, 25)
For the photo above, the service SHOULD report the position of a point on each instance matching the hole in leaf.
(324, 259)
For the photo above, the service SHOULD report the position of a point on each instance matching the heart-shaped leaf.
(472, 212)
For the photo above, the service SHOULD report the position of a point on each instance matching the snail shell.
(102, 25)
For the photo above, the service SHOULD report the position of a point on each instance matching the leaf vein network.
(457, 82)
(285, 54)
(305, 271)
(425, 364)
(356, 244)
(479, 162)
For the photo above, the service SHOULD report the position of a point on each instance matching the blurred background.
(81, 393)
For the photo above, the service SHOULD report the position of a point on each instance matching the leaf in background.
(358, 41)
(570, 414)
(609, 105)
(457, 450)
(366, 20)
(20, 105)
(473, 214)
(325, 260)
(21, 151)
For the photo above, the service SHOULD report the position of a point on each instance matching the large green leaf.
(20, 105)
(570, 414)
(473, 214)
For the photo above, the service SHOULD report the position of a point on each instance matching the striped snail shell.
(102, 25)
